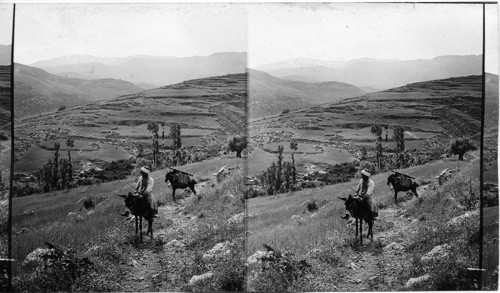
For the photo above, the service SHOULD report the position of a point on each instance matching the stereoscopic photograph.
(129, 133)
(261, 147)
(364, 147)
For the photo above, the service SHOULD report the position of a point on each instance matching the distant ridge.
(153, 70)
(375, 73)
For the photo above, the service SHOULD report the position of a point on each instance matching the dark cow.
(402, 182)
(360, 210)
(174, 177)
(140, 208)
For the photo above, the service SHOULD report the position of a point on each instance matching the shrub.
(286, 111)
(88, 203)
(237, 144)
(460, 147)
(61, 108)
(312, 206)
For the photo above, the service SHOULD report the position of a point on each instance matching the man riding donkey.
(365, 191)
(144, 188)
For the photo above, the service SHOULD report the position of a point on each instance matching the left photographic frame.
(6, 32)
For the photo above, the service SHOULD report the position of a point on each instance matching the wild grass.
(213, 209)
(437, 208)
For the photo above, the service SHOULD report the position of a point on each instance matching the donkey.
(360, 210)
(140, 208)
(172, 176)
(402, 182)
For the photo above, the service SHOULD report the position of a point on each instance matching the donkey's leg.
(192, 188)
(136, 225)
(361, 231)
(173, 194)
(395, 197)
(150, 228)
(140, 226)
(414, 190)
(356, 227)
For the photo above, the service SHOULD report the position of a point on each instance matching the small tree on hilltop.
(461, 146)
(293, 145)
(175, 134)
(237, 144)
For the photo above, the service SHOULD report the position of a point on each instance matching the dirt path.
(155, 265)
(376, 264)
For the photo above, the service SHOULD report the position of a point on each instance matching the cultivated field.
(112, 130)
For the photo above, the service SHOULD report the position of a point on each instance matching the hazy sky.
(345, 31)
(47, 31)
(491, 60)
(6, 24)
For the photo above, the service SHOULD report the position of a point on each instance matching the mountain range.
(375, 73)
(151, 70)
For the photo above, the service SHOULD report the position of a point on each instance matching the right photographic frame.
(372, 160)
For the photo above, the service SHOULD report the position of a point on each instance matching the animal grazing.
(360, 210)
(402, 182)
(140, 208)
(175, 179)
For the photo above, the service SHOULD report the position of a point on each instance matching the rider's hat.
(366, 172)
(145, 170)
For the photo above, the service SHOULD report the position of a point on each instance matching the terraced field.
(215, 105)
(442, 109)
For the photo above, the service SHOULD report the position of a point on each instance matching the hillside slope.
(37, 91)
(271, 95)
(5, 54)
(403, 235)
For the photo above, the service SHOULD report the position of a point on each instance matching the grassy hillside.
(112, 130)
(118, 262)
(37, 91)
(307, 226)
